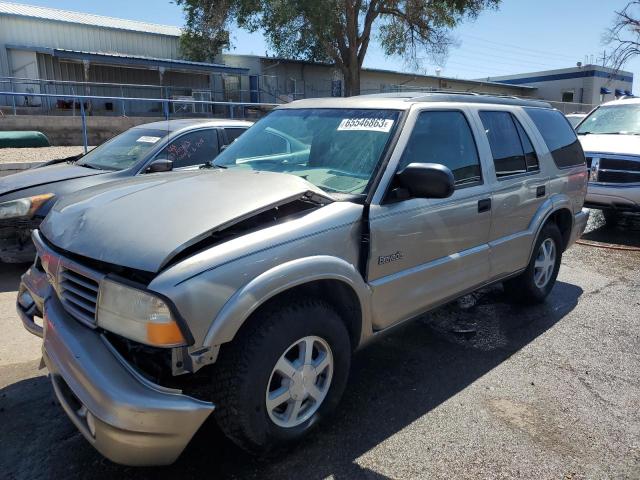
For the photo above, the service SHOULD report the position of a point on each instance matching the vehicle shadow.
(394, 381)
(625, 232)
(10, 276)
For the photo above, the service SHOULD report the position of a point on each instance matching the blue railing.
(233, 108)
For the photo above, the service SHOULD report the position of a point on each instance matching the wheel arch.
(332, 279)
(556, 209)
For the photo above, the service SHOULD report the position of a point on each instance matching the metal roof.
(111, 58)
(17, 9)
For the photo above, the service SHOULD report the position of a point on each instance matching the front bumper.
(30, 301)
(127, 418)
(580, 221)
(619, 197)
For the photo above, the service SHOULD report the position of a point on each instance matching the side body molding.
(281, 278)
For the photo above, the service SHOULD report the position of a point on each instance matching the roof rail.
(462, 97)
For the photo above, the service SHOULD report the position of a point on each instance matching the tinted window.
(530, 156)
(504, 139)
(193, 148)
(444, 138)
(558, 135)
(233, 133)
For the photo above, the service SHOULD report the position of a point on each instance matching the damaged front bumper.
(30, 300)
(126, 417)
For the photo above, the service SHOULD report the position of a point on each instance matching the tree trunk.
(352, 81)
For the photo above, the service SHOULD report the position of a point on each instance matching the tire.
(611, 217)
(246, 369)
(529, 287)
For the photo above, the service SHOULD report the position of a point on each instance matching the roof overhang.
(132, 61)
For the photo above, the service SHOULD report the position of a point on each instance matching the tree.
(336, 31)
(624, 35)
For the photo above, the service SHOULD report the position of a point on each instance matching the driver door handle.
(484, 205)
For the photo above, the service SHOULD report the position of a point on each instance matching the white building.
(587, 84)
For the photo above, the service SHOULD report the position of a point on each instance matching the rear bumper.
(618, 197)
(127, 418)
(580, 221)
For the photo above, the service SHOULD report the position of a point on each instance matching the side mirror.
(427, 180)
(160, 165)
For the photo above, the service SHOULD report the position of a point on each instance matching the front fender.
(280, 279)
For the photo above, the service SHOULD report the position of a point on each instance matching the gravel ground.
(547, 392)
(42, 154)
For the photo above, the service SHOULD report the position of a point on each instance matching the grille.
(79, 295)
(617, 169)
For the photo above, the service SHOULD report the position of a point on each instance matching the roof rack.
(462, 97)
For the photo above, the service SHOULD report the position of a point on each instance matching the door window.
(530, 156)
(506, 144)
(194, 148)
(445, 138)
(233, 133)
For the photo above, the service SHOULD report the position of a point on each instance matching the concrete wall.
(64, 131)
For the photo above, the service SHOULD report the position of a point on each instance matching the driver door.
(427, 251)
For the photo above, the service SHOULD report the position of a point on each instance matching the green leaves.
(337, 31)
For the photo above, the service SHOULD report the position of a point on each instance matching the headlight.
(137, 315)
(23, 207)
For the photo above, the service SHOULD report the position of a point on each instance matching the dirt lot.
(43, 154)
(478, 389)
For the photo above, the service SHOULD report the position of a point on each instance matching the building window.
(567, 97)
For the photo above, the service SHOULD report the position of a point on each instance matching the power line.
(514, 63)
(510, 45)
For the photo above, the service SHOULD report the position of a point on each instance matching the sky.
(520, 36)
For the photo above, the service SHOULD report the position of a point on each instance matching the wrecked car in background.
(26, 197)
(242, 291)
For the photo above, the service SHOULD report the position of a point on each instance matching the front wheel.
(282, 374)
(534, 284)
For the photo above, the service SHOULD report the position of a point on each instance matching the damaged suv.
(242, 291)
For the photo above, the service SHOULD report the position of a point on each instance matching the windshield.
(613, 119)
(123, 151)
(337, 150)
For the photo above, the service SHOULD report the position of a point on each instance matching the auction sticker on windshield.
(146, 139)
(370, 124)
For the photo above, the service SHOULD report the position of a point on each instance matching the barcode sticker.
(145, 139)
(370, 124)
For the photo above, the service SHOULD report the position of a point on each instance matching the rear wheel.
(283, 374)
(534, 284)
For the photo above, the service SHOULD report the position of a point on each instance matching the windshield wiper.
(608, 133)
(212, 165)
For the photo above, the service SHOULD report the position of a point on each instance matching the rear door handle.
(540, 191)
(484, 205)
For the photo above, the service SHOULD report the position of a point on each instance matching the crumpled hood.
(616, 144)
(43, 175)
(143, 222)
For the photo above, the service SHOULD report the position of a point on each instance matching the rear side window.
(511, 148)
(444, 138)
(558, 135)
(233, 133)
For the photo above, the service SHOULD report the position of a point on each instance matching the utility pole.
(604, 57)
